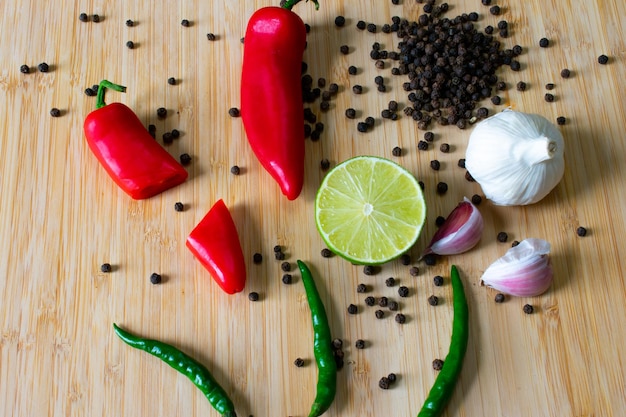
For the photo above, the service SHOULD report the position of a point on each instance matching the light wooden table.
(62, 217)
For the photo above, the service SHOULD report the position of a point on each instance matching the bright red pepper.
(135, 161)
(271, 94)
(215, 243)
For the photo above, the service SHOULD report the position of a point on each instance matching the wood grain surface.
(62, 217)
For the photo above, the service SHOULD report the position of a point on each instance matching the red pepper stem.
(288, 4)
(104, 84)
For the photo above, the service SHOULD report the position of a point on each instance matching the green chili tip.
(104, 84)
(288, 4)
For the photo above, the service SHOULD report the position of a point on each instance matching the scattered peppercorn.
(130, 45)
(422, 145)
(390, 282)
(433, 300)
(435, 164)
(565, 73)
(603, 59)
(393, 306)
(171, 81)
(285, 266)
(438, 280)
(287, 279)
(185, 23)
(361, 288)
(257, 258)
(24, 69)
(359, 344)
(502, 237)
(496, 100)
(54, 112)
(528, 309)
(488, 29)
(161, 112)
(383, 383)
(360, 25)
(405, 259)
(357, 89)
(430, 259)
(414, 271)
(437, 364)
(461, 163)
(185, 159)
(344, 49)
(396, 151)
(90, 93)
(299, 362)
(370, 301)
(521, 86)
(350, 113)
(469, 177)
(352, 70)
(337, 343)
(379, 314)
(43, 67)
(549, 86)
(486, 2)
(400, 318)
(279, 256)
(499, 298)
(439, 221)
(155, 278)
(83, 17)
(581, 231)
(233, 112)
(253, 296)
(106, 267)
(130, 23)
(445, 147)
(403, 291)
(495, 10)
(352, 309)
(95, 18)
(383, 301)
(544, 42)
(549, 97)
(514, 243)
(442, 187)
(178, 206)
(371, 28)
(340, 21)
(560, 120)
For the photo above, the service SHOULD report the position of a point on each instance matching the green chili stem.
(288, 4)
(104, 84)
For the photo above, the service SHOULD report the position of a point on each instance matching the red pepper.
(271, 94)
(215, 243)
(135, 161)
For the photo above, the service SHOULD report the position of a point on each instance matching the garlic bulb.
(517, 158)
(524, 271)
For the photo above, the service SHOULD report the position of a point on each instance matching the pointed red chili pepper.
(271, 93)
(215, 243)
(133, 159)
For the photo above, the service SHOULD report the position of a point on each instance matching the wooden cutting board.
(62, 217)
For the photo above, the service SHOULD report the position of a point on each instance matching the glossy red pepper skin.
(271, 94)
(133, 159)
(215, 243)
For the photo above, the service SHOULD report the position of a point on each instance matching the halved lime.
(369, 210)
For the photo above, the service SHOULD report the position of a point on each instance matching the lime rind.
(369, 210)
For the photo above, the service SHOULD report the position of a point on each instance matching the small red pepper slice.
(133, 159)
(271, 94)
(215, 243)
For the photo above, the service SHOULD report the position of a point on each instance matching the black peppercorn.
(393, 306)
(549, 97)
(521, 86)
(130, 45)
(352, 70)
(155, 278)
(438, 280)
(299, 362)
(54, 112)
(379, 314)
(437, 364)
(445, 148)
(171, 81)
(161, 112)
(390, 282)
(257, 258)
(370, 301)
(24, 69)
(185, 23)
(514, 243)
(287, 279)
(433, 300)
(43, 67)
(337, 343)
(178, 206)
(359, 344)
(361, 288)
(362, 127)
(403, 291)
(603, 59)
(435, 164)
(560, 120)
(357, 89)
(340, 21)
(279, 256)
(383, 301)
(499, 298)
(502, 237)
(400, 318)
(528, 309)
(442, 187)
(83, 17)
(581, 231)
(405, 259)
(185, 159)
(439, 221)
(352, 309)
(517, 50)
(565, 73)
(544, 42)
(285, 266)
(344, 49)
(360, 25)
(106, 267)
(350, 113)
(461, 163)
(488, 29)
(130, 23)
(414, 271)
(95, 18)
(422, 145)
(495, 10)
(371, 28)
(233, 112)
(396, 151)
(486, 2)
(392, 377)
(430, 259)
(496, 100)
(369, 270)
(476, 199)
(90, 93)
(175, 133)
(253, 296)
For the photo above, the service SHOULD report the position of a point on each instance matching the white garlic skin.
(516, 157)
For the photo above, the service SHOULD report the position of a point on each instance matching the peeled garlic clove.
(524, 271)
(459, 233)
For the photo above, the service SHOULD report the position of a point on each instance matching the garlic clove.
(459, 233)
(524, 271)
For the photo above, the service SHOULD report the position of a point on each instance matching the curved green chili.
(443, 387)
(186, 365)
(322, 346)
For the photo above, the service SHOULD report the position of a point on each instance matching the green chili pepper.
(443, 387)
(322, 346)
(186, 365)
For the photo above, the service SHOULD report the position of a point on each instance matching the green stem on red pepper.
(288, 4)
(104, 84)
(445, 382)
(322, 346)
(186, 365)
